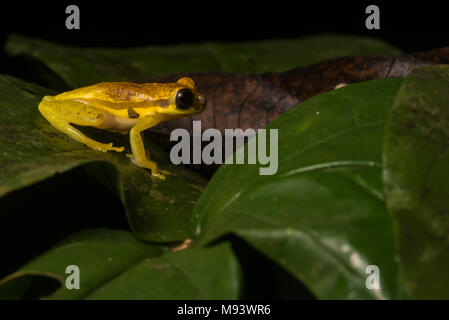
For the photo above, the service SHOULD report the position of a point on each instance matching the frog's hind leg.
(61, 114)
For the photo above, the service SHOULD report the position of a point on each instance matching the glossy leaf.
(322, 216)
(200, 273)
(33, 150)
(416, 176)
(116, 265)
(84, 66)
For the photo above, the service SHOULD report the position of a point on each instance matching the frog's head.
(186, 99)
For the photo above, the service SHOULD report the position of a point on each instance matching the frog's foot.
(157, 174)
(155, 171)
(105, 147)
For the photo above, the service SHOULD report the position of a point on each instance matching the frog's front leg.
(61, 114)
(138, 148)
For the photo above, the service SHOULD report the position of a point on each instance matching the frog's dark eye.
(184, 99)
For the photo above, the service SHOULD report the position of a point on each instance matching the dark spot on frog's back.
(132, 113)
(123, 92)
(163, 103)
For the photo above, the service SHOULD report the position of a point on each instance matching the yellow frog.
(123, 107)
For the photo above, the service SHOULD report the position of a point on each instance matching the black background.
(34, 218)
(411, 26)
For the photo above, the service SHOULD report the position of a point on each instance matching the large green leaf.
(32, 150)
(322, 216)
(84, 66)
(115, 265)
(416, 176)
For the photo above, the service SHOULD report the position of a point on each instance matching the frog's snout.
(203, 101)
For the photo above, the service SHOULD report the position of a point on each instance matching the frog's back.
(121, 92)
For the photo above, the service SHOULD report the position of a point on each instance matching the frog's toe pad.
(157, 174)
(118, 149)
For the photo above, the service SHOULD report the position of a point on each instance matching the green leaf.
(416, 176)
(322, 216)
(33, 150)
(198, 273)
(116, 265)
(85, 66)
